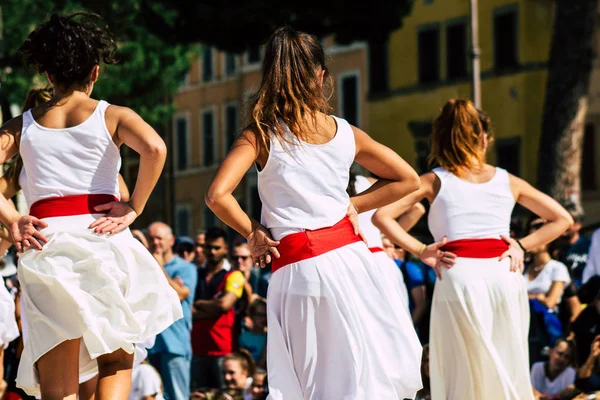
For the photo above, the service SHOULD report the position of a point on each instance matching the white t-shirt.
(145, 381)
(552, 271)
(542, 384)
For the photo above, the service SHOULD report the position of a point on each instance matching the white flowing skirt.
(9, 330)
(393, 275)
(479, 330)
(337, 332)
(106, 289)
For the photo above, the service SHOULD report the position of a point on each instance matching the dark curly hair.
(67, 47)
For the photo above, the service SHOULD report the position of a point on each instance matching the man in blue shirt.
(172, 351)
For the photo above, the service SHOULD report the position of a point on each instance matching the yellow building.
(429, 62)
(208, 118)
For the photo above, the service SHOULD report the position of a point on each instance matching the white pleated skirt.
(393, 275)
(106, 289)
(337, 331)
(479, 330)
(9, 330)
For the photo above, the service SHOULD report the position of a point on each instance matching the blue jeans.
(174, 371)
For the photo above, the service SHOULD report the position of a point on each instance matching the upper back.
(466, 210)
(63, 159)
(303, 185)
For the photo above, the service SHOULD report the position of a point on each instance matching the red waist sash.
(476, 248)
(308, 244)
(375, 249)
(65, 206)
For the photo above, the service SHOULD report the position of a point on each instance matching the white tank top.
(303, 185)
(465, 210)
(370, 231)
(82, 159)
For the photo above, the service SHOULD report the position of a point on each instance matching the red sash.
(308, 244)
(65, 206)
(476, 248)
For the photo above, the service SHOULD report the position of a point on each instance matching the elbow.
(378, 219)
(413, 183)
(212, 197)
(157, 150)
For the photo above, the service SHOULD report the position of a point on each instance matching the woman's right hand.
(25, 234)
(595, 349)
(433, 256)
(262, 246)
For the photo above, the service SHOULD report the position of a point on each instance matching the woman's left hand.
(119, 216)
(352, 215)
(262, 246)
(515, 253)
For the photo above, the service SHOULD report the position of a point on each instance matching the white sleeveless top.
(303, 185)
(82, 159)
(369, 231)
(465, 210)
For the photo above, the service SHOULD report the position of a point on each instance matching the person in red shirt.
(217, 293)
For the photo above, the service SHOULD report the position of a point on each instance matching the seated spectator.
(145, 383)
(592, 267)
(546, 278)
(425, 393)
(254, 340)
(556, 375)
(238, 369)
(588, 374)
(259, 386)
(587, 326)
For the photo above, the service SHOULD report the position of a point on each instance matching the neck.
(541, 259)
(552, 372)
(168, 256)
(212, 268)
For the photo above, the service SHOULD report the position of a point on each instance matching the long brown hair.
(34, 98)
(457, 137)
(289, 91)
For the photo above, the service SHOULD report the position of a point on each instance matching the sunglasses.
(209, 247)
(243, 258)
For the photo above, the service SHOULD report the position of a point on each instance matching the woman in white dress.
(90, 290)
(480, 312)
(335, 330)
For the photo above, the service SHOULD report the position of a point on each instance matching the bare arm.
(213, 308)
(134, 132)
(411, 217)
(385, 217)
(398, 178)
(550, 299)
(558, 219)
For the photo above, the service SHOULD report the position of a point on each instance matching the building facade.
(428, 62)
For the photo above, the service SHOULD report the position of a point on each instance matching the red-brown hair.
(457, 137)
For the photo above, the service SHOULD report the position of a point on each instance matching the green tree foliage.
(148, 73)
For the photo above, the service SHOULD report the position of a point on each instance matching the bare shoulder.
(120, 113)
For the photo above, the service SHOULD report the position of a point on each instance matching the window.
(505, 39)
(421, 130)
(588, 159)
(429, 59)
(230, 64)
(349, 98)
(456, 51)
(181, 138)
(208, 135)
(207, 64)
(183, 220)
(210, 219)
(508, 154)
(378, 66)
(253, 55)
(231, 124)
